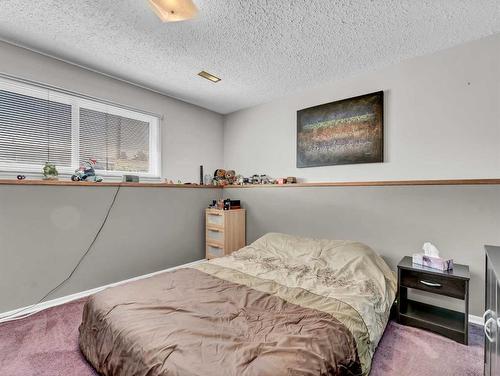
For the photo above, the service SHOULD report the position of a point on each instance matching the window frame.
(77, 101)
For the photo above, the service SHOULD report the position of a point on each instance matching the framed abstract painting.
(348, 131)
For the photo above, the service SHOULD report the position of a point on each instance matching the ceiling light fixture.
(174, 10)
(209, 76)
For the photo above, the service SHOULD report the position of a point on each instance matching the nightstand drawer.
(434, 283)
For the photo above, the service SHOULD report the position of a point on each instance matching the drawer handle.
(215, 246)
(431, 284)
(214, 229)
(487, 330)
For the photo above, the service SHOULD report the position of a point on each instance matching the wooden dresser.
(225, 231)
(491, 315)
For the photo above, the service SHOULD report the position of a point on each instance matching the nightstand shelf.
(444, 321)
(455, 284)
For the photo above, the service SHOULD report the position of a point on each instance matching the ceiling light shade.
(174, 10)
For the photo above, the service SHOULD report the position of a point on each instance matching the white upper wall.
(442, 121)
(191, 136)
(442, 116)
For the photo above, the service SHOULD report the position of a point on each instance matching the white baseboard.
(19, 312)
(478, 320)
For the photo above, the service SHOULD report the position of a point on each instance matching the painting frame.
(377, 139)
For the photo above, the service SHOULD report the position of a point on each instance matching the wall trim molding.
(146, 183)
(108, 183)
(34, 308)
(374, 183)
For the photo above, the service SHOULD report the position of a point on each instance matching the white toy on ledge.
(431, 259)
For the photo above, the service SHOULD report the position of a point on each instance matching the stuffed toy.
(230, 176)
(220, 177)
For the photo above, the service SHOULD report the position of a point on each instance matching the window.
(39, 125)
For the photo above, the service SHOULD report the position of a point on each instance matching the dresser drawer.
(434, 283)
(214, 250)
(215, 219)
(214, 234)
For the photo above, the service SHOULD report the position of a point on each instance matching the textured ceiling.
(262, 49)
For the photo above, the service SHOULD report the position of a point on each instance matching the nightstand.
(453, 283)
(225, 231)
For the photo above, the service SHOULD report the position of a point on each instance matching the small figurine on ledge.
(86, 172)
(50, 171)
(239, 180)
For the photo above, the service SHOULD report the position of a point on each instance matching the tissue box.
(432, 262)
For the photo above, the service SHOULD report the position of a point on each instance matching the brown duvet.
(218, 320)
(190, 323)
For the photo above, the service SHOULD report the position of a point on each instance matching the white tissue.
(430, 250)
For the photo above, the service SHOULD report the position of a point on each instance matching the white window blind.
(39, 125)
(117, 143)
(34, 130)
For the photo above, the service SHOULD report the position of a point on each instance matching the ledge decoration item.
(348, 131)
(49, 171)
(131, 178)
(86, 172)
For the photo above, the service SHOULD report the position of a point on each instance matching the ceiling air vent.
(209, 76)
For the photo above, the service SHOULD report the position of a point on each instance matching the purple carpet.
(47, 344)
(407, 351)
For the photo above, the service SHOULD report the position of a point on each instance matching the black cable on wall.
(84, 255)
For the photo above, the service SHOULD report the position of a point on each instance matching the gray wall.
(395, 221)
(437, 126)
(191, 136)
(44, 231)
(441, 119)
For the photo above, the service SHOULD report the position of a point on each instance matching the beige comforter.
(282, 306)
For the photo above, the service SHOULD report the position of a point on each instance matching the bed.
(283, 305)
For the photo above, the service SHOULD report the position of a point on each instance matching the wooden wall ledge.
(101, 184)
(195, 186)
(376, 183)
